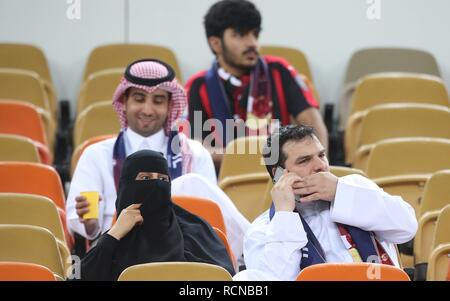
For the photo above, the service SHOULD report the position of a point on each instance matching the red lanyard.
(383, 255)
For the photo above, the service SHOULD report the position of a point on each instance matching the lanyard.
(351, 247)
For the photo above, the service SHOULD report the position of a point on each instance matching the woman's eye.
(145, 178)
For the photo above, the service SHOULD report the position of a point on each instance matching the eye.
(145, 178)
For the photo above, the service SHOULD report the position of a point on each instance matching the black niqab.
(168, 233)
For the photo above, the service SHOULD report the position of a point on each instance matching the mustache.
(251, 50)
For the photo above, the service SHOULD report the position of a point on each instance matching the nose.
(147, 107)
(319, 164)
(252, 40)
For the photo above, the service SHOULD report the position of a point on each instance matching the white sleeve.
(273, 247)
(202, 162)
(87, 177)
(361, 203)
(235, 223)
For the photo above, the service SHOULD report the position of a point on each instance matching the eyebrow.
(137, 93)
(300, 158)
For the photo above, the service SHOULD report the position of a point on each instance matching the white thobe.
(272, 248)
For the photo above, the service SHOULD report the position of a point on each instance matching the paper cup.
(93, 198)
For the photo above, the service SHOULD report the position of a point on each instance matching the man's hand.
(128, 218)
(319, 186)
(82, 207)
(283, 192)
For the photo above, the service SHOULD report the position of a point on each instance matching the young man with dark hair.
(243, 86)
(317, 217)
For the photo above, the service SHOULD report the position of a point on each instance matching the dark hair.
(275, 142)
(240, 15)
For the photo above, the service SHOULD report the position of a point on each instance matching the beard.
(232, 59)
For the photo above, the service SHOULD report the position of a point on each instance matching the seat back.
(403, 156)
(18, 148)
(175, 271)
(429, 121)
(23, 85)
(22, 271)
(352, 272)
(439, 258)
(374, 60)
(29, 58)
(436, 193)
(432, 121)
(204, 208)
(243, 156)
(28, 209)
(341, 171)
(295, 57)
(24, 56)
(99, 86)
(25, 243)
(32, 178)
(247, 192)
(120, 55)
(442, 232)
(80, 149)
(96, 120)
(22, 119)
(383, 88)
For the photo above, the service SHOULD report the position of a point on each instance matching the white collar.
(228, 76)
(157, 142)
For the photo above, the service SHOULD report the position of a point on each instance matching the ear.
(216, 44)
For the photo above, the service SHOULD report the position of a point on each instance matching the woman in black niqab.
(157, 230)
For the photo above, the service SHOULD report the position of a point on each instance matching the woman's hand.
(128, 218)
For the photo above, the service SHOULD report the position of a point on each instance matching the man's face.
(239, 51)
(146, 112)
(305, 157)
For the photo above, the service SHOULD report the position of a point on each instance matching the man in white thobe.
(275, 244)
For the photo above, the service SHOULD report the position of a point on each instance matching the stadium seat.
(120, 55)
(223, 238)
(32, 178)
(30, 58)
(297, 59)
(32, 244)
(175, 271)
(439, 258)
(401, 166)
(204, 208)
(96, 120)
(429, 121)
(352, 272)
(24, 119)
(22, 271)
(80, 149)
(436, 196)
(99, 86)
(18, 148)
(35, 210)
(398, 87)
(374, 60)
